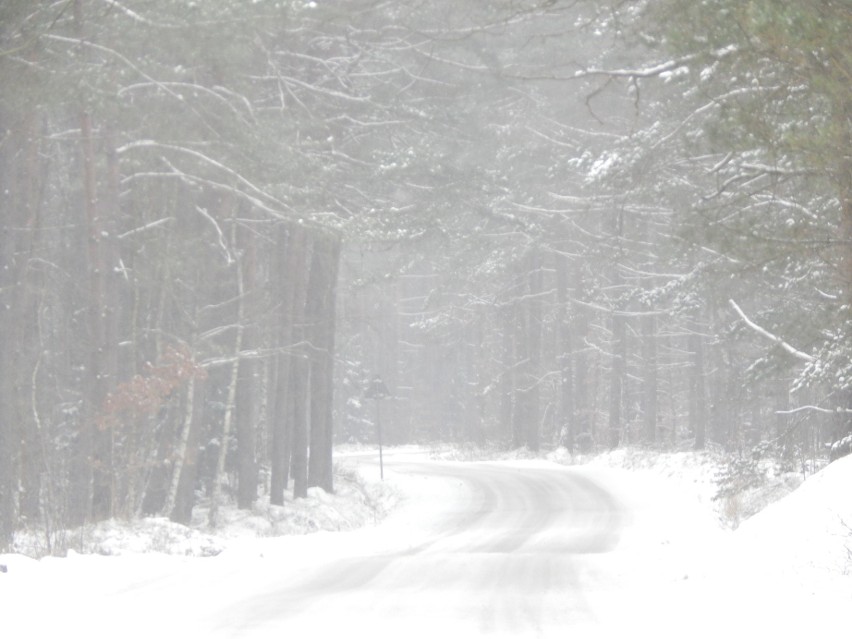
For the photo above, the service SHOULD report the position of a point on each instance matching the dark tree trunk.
(618, 368)
(20, 289)
(529, 329)
(617, 379)
(519, 378)
(534, 333)
(185, 496)
(292, 255)
(844, 417)
(300, 368)
(473, 408)
(300, 389)
(582, 399)
(782, 406)
(564, 358)
(321, 316)
(718, 402)
(279, 432)
(247, 408)
(93, 473)
(93, 469)
(649, 382)
(507, 376)
(246, 431)
(16, 319)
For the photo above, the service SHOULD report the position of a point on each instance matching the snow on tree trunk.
(219, 475)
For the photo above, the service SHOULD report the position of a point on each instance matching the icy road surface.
(496, 550)
(510, 549)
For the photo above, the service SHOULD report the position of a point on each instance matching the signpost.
(378, 391)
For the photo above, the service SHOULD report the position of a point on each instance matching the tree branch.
(206, 159)
(774, 338)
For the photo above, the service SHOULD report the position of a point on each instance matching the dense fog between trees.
(569, 224)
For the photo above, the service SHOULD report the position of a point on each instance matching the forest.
(542, 223)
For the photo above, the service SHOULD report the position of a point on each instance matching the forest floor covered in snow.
(774, 548)
(356, 502)
(729, 491)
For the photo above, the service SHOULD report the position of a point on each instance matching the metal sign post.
(379, 431)
(377, 391)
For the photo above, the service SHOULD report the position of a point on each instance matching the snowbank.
(786, 571)
(807, 533)
(356, 502)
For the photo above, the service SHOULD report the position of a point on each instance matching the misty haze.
(486, 318)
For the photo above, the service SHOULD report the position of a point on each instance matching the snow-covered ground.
(681, 570)
(785, 571)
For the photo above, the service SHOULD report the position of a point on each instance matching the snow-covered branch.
(150, 225)
(659, 69)
(204, 158)
(228, 257)
(196, 88)
(818, 409)
(196, 180)
(644, 72)
(115, 54)
(289, 80)
(137, 17)
(774, 338)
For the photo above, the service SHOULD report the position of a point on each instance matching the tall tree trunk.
(219, 476)
(293, 244)
(672, 392)
(181, 450)
(21, 485)
(92, 495)
(247, 417)
(564, 358)
(520, 362)
(279, 432)
(33, 461)
(300, 391)
(185, 490)
(18, 491)
(529, 329)
(300, 371)
(618, 369)
(534, 335)
(782, 406)
(649, 382)
(94, 471)
(473, 405)
(845, 179)
(583, 392)
(720, 411)
(507, 376)
(321, 314)
(618, 374)
(247, 408)
(279, 449)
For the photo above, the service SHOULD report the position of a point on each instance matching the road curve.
(509, 552)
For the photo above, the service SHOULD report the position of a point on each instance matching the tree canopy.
(568, 223)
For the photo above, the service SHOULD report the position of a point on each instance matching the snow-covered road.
(486, 549)
(503, 549)
(476, 549)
